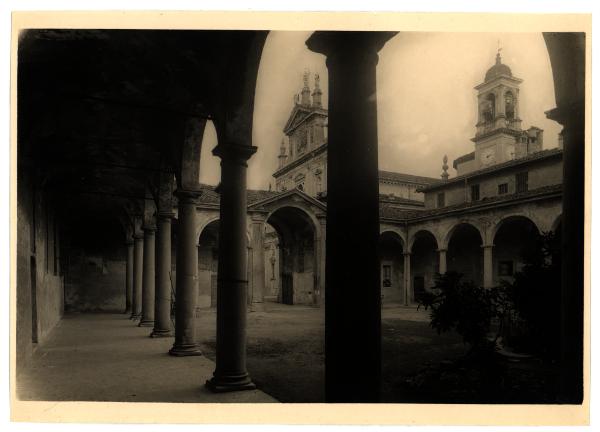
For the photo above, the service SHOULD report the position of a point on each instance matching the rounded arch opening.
(424, 263)
(291, 257)
(515, 240)
(208, 264)
(464, 253)
(210, 165)
(391, 257)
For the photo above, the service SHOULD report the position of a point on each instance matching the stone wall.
(39, 276)
(95, 269)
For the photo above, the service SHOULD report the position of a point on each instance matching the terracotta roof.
(407, 178)
(529, 158)
(463, 158)
(388, 212)
(210, 196)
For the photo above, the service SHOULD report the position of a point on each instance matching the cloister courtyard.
(95, 357)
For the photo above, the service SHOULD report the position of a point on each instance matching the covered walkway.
(103, 357)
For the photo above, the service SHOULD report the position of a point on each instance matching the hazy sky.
(427, 105)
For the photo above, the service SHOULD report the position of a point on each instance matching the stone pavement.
(106, 357)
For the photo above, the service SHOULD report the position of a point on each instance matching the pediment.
(297, 116)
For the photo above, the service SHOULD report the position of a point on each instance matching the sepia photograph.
(379, 214)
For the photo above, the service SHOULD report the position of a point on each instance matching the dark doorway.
(287, 288)
(419, 287)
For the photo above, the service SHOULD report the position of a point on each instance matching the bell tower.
(498, 124)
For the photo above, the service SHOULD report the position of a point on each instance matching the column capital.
(487, 245)
(138, 236)
(185, 196)
(149, 229)
(407, 254)
(258, 217)
(234, 152)
(129, 242)
(165, 215)
(335, 43)
(442, 250)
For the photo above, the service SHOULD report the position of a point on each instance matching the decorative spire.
(445, 168)
(317, 92)
(305, 89)
(498, 58)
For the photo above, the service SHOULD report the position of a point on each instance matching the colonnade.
(353, 303)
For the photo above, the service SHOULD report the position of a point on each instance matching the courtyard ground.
(286, 349)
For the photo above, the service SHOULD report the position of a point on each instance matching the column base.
(146, 323)
(257, 307)
(135, 317)
(185, 350)
(230, 383)
(161, 333)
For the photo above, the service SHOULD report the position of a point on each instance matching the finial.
(317, 81)
(445, 168)
(498, 58)
(305, 90)
(305, 76)
(282, 147)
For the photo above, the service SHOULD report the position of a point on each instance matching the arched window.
(488, 112)
(509, 105)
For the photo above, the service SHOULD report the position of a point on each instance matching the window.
(475, 192)
(441, 199)
(505, 268)
(387, 275)
(522, 181)
(502, 188)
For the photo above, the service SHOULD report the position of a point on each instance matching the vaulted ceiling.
(102, 112)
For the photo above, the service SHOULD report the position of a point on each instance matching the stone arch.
(424, 262)
(297, 244)
(392, 267)
(506, 219)
(396, 232)
(464, 253)
(443, 244)
(303, 208)
(422, 231)
(516, 238)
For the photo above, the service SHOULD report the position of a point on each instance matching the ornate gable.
(297, 116)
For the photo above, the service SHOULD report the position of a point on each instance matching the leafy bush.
(463, 307)
(534, 296)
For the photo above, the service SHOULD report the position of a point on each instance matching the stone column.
(186, 294)
(353, 302)
(230, 373)
(138, 257)
(442, 254)
(488, 266)
(567, 52)
(129, 277)
(258, 262)
(162, 298)
(407, 278)
(148, 278)
(321, 251)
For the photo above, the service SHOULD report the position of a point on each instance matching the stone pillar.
(230, 373)
(129, 277)
(321, 251)
(352, 298)
(567, 52)
(258, 262)
(488, 266)
(162, 298)
(442, 254)
(407, 278)
(148, 278)
(138, 256)
(186, 294)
